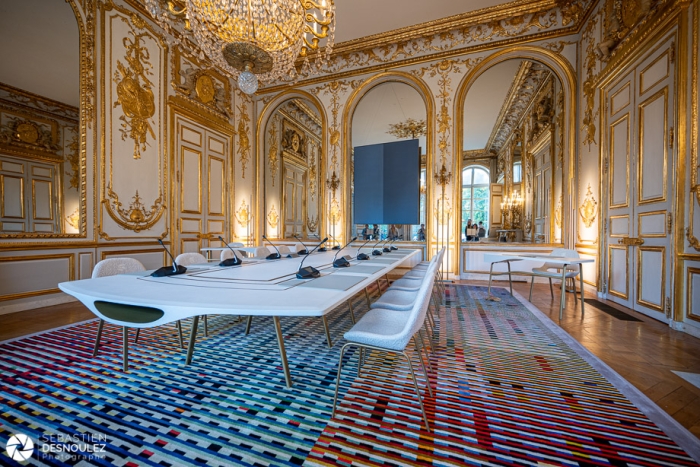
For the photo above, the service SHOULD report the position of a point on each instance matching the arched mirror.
(513, 146)
(293, 161)
(40, 97)
(392, 112)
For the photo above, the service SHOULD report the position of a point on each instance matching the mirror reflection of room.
(294, 155)
(513, 155)
(387, 113)
(40, 175)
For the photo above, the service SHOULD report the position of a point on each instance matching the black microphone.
(343, 262)
(309, 271)
(393, 248)
(235, 261)
(376, 252)
(167, 270)
(305, 251)
(362, 256)
(272, 255)
(336, 247)
(323, 248)
(386, 249)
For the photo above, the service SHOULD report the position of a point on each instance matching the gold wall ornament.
(243, 133)
(443, 209)
(312, 224)
(590, 112)
(136, 216)
(313, 174)
(135, 93)
(272, 217)
(557, 46)
(559, 211)
(273, 151)
(333, 183)
(588, 209)
(443, 177)
(527, 224)
(204, 86)
(559, 128)
(243, 214)
(334, 88)
(34, 135)
(73, 158)
(410, 128)
(201, 86)
(335, 211)
(74, 219)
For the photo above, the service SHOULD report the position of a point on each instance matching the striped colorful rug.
(509, 388)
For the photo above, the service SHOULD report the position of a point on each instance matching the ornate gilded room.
(486, 208)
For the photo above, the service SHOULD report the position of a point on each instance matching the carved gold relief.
(31, 135)
(335, 211)
(313, 174)
(243, 214)
(527, 224)
(74, 219)
(73, 158)
(272, 217)
(273, 151)
(201, 86)
(312, 224)
(588, 209)
(589, 64)
(559, 211)
(243, 133)
(136, 216)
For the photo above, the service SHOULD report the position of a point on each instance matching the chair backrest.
(185, 259)
(284, 250)
(114, 266)
(564, 253)
(236, 245)
(298, 247)
(261, 252)
(226, 254)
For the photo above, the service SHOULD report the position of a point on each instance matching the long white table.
(507, 258)
(261, 288)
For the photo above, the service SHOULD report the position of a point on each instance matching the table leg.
(369, 302)
(510, 279)
(247, 325)
(580, 273)
(563, 293)
(283, 353)
(328, 332)
(99, 336)
(489, 296)
(125, 356)
(352, 313)
(193, 337)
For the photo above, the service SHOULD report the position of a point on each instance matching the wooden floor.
(645, 353)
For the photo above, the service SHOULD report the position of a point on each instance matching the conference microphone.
(386, 248)
(343, 262)
(168, 270)
(309, 271)
(362, 256)
(376, 252)
(393, 248)
(305, 251)
(336, 247)
(235, 261)
(323, 248)
(272, 255)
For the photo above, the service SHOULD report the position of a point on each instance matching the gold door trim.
(51, 200)
(652, 213)
(653, 306)
(624, 296)
(223, 186)
(611, 185)
(622, 216)
(182, 179)
(642, 88)
(183, 231)
(21, 197)
(640, 166)
(690, 272)
(611, 99)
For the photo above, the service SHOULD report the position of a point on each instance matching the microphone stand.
(342, 262)
(305, 251)
(336, 247)
(386, 248)
(235, 261)
(272, 255)
(323, 248)
(362, 256)
(376, 252)
(309, 272)
(167, 270)
(393, 248)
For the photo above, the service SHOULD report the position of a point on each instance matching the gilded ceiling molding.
(243, 148)
(557, 46)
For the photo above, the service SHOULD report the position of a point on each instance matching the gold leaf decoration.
(312, 224)
(136, 216)
(243, 138)
(272, 217)
(272, 158)
(73, 158)
(74, 219)
(558, 212)
(243, 214)
(588, 209)
(135, 94)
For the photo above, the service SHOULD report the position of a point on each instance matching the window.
(475, 196)
(517, 172)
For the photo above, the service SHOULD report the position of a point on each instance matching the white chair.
(546, 270)
(112, 267)
(261, 252)
(390, 331)
(283, 249)
(187, 259)
(228, 254)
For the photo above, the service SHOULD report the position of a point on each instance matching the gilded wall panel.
(134, 68)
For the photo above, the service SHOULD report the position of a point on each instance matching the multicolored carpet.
(508, 390)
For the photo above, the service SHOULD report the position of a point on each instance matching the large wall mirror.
(293, 160)
(513, 155)
(40, 153)
(391, 111)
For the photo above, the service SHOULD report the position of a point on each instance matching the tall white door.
(201, 171)
(294, 200)
(640, 148)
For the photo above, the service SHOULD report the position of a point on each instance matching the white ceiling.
(359, 18)
(39, 48)
(484, 101)
(385, 104)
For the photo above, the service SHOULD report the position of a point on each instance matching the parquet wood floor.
(645, 352)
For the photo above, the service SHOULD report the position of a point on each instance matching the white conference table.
(507, 258)
(261, 288)
(248, 249)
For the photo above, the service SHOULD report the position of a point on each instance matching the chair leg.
(206, 326)
(98, 337)
(425, 371)
(125, 354)
(352, 313)
(328, 332)
(179, 334)
(138, 331)
(247, 325)
(415, 385)
(337, 379)
(532, 283)
(551, 289)
(193, 338)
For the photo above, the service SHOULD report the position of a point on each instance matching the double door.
(640, 166)
(202, 173)
(294, 200)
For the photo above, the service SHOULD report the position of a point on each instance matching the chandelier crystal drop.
(254, 39)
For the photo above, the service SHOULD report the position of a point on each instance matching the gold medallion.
(27, 133)
(205, 88)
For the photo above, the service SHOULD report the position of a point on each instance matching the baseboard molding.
(29, 304)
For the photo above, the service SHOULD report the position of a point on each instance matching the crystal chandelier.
(254, 40)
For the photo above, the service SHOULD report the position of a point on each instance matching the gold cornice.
(381, 67)
(517, 83)
(45, 100)
(190, 109)
(429, 28)
(307, 110)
